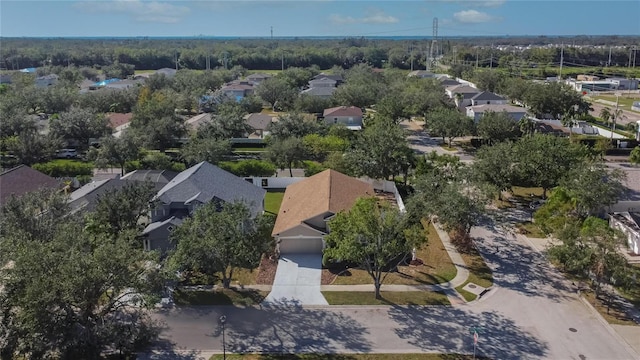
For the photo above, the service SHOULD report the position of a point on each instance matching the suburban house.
(195, 122)
(257, 78)
(629, 224)
(124, 84)
(465, 92)
(23, 179)
(193, 187)
(336, 77)
(323, 82)
(445, 81)
(321, 92)
(260, 124)
(119, 122)
(309, 204)
(422, 74)
(86, 197)
(237, 89)
(487, 98)
(47, 80)
(515, 112)
(168, 72)
(351, 116)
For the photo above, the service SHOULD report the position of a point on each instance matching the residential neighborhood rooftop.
(23, 179)
(343, 111)
(328, 191)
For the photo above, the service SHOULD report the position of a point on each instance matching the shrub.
(249, 167)
(64, 168)
(312, 167)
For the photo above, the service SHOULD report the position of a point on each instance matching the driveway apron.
(298, 280)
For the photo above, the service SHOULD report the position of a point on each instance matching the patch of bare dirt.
(267, 271)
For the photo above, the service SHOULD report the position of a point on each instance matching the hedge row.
(249, 167)
(64, 168)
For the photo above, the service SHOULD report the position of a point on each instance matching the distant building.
(629, 224)
(47, 80)
(476, 112)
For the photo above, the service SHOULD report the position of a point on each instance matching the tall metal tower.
(433, 52)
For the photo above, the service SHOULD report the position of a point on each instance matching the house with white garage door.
(308, 205)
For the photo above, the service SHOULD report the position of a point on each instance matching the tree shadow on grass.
(286, 327)
(446, 330)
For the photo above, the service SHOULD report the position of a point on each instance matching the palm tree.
(605, 114)
(458, 98)
(527, 126)
(615, 115)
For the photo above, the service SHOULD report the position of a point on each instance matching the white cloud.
(371, 17)
(144, 11)
(472, 17)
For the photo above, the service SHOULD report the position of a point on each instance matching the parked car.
(66, 154)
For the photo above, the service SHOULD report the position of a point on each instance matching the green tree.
(593, 249)
(381, 151)
(494, 165)
(497, 127)
(278, 92)
(373, 235)
(80, 125)
(200, 149)
(71, 294)
(448, 123)
(217, 241)
(488, 80)
(321, 146)
(362, 87)
(294, 124)
(592, 186)
(116, 151)
(542, 160)
(120, 210)
(634, 157)
(286, 152)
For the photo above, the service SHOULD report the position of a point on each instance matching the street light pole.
(223, 319)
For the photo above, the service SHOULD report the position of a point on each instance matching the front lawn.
(219, 297)
(388, 298)
(240, 277)
(479, 273)
(272, 201)
(436, 268)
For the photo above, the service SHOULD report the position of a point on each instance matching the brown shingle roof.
(117, 119)
(328, 191)
(23, 179)
(259, 121)
(343, 111)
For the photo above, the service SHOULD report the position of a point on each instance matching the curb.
(610, 329)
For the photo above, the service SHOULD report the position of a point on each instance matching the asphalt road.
(530, 313)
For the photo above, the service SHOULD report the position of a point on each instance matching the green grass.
(219, 297)
(531, 230)
(624, 102)
(613, 315)
(388, 298)
(272, 201)
(437, 268)
(346, 357)
(479, 273)
(525, 192)
(448, 148)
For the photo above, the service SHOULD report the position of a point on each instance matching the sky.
(245, 18)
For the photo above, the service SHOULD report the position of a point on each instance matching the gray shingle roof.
(204, 181)
(158, 177)
(259, 121)
(487, 95)
(159, 224)
(319, 91)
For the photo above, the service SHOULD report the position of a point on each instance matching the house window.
(265, 182)
(488, 102)
(350, 120)
(170, 228)
(335, 120)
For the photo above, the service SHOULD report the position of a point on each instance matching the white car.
(66, 153)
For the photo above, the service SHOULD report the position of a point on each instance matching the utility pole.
(272, 33)
(176, 58)
(455, 55)
(634, 56)
(476, 58)
(630, 52)
(609, 62)
(491, 60)
(411, 55)
(561, 61)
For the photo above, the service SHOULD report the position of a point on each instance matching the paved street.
(530, 313)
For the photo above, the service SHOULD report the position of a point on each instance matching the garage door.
(307, 245)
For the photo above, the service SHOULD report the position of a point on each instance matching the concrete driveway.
(298, 280)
